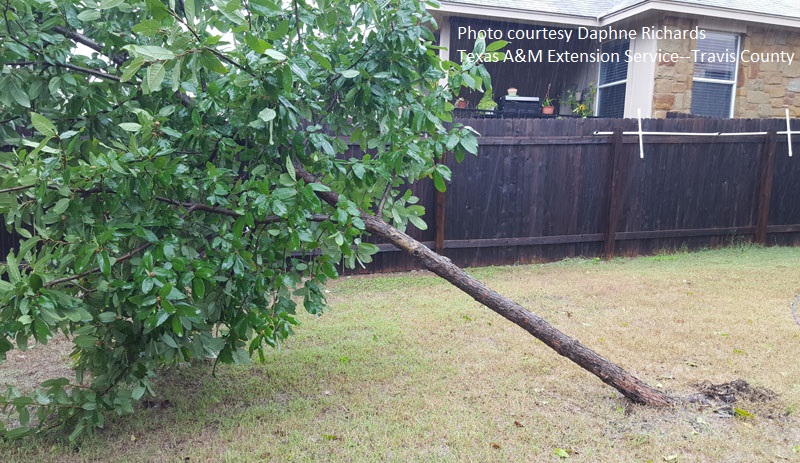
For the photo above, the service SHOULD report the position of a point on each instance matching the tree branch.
(82, 39)
(93, 72)
(386, 191)
(11, 34)
(16, 188)
(297, 24)
(72, 67)
(231, 213)
(78, 276)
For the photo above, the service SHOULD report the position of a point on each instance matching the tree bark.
(609, 372)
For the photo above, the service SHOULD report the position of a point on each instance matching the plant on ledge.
(548, 104)
(487, 103)
(581, 102)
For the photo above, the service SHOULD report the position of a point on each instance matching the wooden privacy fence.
(543, 189)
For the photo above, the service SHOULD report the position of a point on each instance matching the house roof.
(604, 12)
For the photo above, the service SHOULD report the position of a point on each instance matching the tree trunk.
(610, 373)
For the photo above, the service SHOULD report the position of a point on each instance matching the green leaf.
(55, 383)
(165, 290)
(359, 170)
(561, 453)
(177, 326)
(319, 187)
(130, 126)
(470, 144)
(104, 262)
(199, 288)
(23, 415)
(290, 168)
(41, 332)
(155, 75)
(35, 282)
(152, 52)
(89, 15)
(161, 317)
(132, 68)
(138, 392)
(148, 27)
(256, 44)
(275, 54)
(61, 206)
(267, 114)
(21, 97)
(108, 4)
(189, 10)
(497, 45)
(438, 181)
(43, 125)
(212, 63)
(350, 73)
(176, 85)
(418, 222)
(106, 317)
(85, 341)
(480, 46)
(13, 268)
(169, 341)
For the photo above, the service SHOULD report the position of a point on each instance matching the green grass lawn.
(405, 368)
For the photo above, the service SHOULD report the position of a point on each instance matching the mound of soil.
(731, 392)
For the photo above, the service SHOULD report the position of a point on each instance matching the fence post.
(614, 193)
(439, 216)
(765, 187)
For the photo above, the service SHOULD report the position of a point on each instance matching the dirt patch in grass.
(734, 391)
(26, 369)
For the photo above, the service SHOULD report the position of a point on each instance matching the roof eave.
(697, 10)
(489, 12)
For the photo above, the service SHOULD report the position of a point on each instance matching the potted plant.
(548, 104)
(487, 103)
(461, 103)
(512, 91)
(581, 102)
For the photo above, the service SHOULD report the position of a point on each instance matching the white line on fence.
(640, 133)
(641, 141)
(788, 132)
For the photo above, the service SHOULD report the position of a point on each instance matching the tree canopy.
(179, 173)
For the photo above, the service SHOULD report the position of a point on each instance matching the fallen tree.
(178, 179)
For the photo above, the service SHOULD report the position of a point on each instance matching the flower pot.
(548, 109)
(512, 91)
(461, 104)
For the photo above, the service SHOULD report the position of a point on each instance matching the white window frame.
(610, 84)
(732, 82)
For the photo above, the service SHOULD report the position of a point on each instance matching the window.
(715, 75)
(612, 81)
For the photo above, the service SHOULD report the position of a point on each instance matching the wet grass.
(406, 368)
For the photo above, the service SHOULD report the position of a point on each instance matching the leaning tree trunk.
(609, 372)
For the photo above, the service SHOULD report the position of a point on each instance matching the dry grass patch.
(407, 368)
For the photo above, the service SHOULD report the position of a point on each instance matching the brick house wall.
(763, 90)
